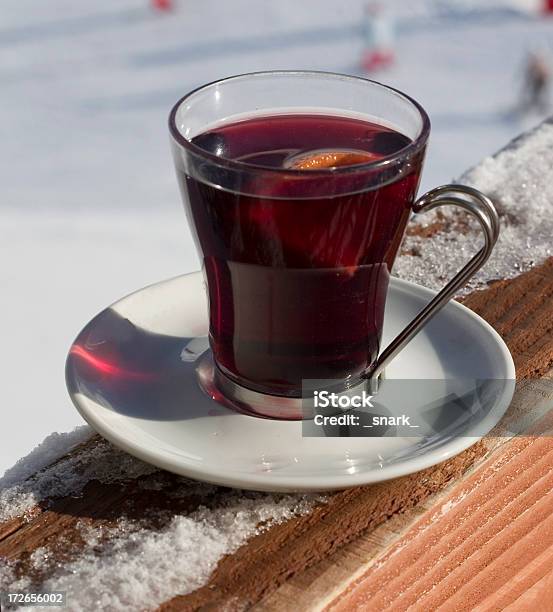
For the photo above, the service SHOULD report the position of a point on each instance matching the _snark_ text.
(326, 399)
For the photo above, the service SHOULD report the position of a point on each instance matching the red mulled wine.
(297, 272)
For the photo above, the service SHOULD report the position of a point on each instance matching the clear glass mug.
(297, 261)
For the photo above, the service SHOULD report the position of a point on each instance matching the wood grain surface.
(312, 560)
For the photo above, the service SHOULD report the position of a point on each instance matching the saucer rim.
(163, 459)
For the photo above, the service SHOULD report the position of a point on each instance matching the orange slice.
(318, 160)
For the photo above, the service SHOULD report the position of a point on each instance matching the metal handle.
(481, 207)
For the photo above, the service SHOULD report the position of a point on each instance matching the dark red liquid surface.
(297, 283)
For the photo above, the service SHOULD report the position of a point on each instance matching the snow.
(516, 180)
(53, 447)
(90, 208)
(17, 496)
(123, 571)
(128, 566)
(19, 492)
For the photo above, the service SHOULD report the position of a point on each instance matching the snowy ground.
(90, 208)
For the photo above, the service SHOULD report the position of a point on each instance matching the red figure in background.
(378, 33)
(162, 5)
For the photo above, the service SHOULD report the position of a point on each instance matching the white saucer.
(131, 374)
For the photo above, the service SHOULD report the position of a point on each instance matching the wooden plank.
(510, 306)
(327, 545)
(486, 542)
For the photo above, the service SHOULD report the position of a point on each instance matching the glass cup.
(297, 261)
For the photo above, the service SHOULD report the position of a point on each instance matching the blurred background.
(90, 209)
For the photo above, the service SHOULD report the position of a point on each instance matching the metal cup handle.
(479, 206)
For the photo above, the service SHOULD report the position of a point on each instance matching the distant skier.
(379, 39)
(537, 78)
(163, 6)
